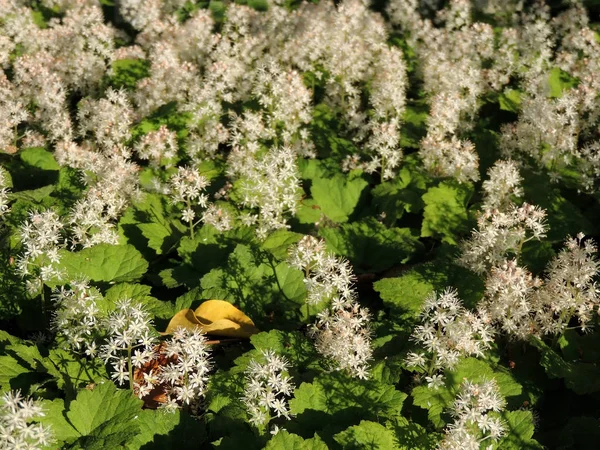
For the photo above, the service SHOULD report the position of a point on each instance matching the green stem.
(189, 205)
(129, 366)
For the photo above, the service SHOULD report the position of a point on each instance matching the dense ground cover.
(299, 225)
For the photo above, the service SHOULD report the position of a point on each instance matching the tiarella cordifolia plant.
(130, 340)
(476, 418)
(448, 332)
(342, 331)
(178, 370)
(41, 239)
(502, 227)
(326, 277)
(16, 429)
(267, 388)
(342, 335)
(569, 289)
(123, 125)
(77, 318)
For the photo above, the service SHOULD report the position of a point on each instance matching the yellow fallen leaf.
(221, 318)
(216, 317)
(184, 319)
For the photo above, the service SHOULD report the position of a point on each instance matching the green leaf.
(367, 435)
(72, 372)
(104, 417)
(337, 197)
(127, 72)
(10, 369)
(161, 430)
(104, 262)
(406, 293)
(436, 401)
(402, 194)
(580, 377)
(34, 195)
(279, 242)
(510, 100)
(55, 417)
(291, 282)
(40, 158)
(560, 81)
(141, 294)
(519, 432)
(445, 214)
(287, 441)
(412, 436)
(160, 236)
(337, 400)
(370, 246)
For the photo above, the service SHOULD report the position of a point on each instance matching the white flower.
(343, 336)
(16, 431)
(448, 332)
(475, 418)
(267, 388)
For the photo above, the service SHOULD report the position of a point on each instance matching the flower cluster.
(187, 186)
(16, 431)
(272, 185)
(503, 227)
(569, 288)
(524, 305)
(113, 183)
(178, 370)
(77, 318)
(448, 332)
(41, 239)
(507, 300)
(325, 276)
(130, 340)
(343, 336)
(475, 417)
(267, 388)
(342, 332)
(159, 147)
